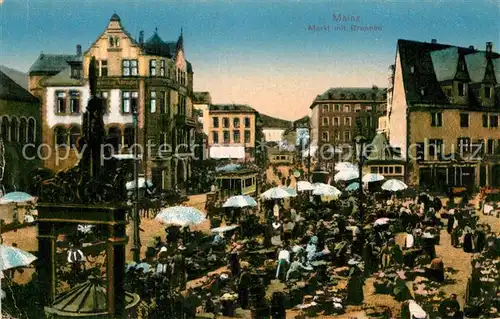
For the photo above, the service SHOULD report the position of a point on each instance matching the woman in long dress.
(355, 294)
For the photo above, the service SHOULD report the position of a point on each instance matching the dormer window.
(76, 72)
(488, 92)
(462, 89)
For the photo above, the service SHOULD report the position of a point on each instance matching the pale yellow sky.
(281, 95)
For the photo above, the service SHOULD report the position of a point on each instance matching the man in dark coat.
(450, 308)
(355, 294)
(451, 221)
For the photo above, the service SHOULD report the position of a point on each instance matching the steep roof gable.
(445, 63)
(273, 122)
(476, 64)
(52, 63)
(63, 78)
(10, 90)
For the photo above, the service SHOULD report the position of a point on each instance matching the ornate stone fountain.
(92, 192)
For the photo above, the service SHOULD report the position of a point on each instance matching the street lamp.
(136, 249)
(360, 143)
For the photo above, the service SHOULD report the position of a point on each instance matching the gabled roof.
(52, 63)
(359, 93)
(303, 121)
(63, 78)
(231, 108)
(445, 63)
(156, 46)
(476, 65)
(273, 122)
(496, 68)
(19, 77)
(419, 72)
(381, 150)
(11, 91)
(201, 98)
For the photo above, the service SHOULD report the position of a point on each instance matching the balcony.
(183, 120)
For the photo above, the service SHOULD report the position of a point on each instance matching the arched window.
(31, 130)
(61, 136)
(5, 129)
(115, 137)
(128, 136)
(14, 130)
(23, 126)
(74, 134)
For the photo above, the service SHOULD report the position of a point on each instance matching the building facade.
(231, 131)
(274, 128)
(443, 114)
(151, 77)
(341, 114)
(20, 134)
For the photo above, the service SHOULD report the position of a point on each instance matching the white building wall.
(55, 119)
(397, 127)
(314, 136)
(273, 134)
(114, 116)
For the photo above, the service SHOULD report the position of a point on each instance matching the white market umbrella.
(181, 216)
(240, 201)
(224, 229)
(342, 166)
(12, 257)
(325, 190)
(368, 178)
(278, 193)
(16, 197)
(381, 221)
(416, 311)
(346, 175)
(142, 184)
(304, 186)
(394, 185)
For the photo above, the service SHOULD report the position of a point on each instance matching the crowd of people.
(321, 253)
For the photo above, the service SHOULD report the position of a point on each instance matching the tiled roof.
(156, 46)
(52, 63)
(352, 94)
(273, 122)
(419, 73)
(445, 63)
(232, 108)
(19, 77)
(496, 68)
(476, 65)
(380, 150)
(303, 121)
(10, 90)
(63, 78)
(202, 98)
(115, 17)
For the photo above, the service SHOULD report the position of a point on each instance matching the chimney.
(78, 50)
(471, 47)
(141, 37)
(434, 41)
(489, 49)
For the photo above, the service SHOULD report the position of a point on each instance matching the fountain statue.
(96, 178)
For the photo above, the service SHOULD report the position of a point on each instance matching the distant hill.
(19, 77)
